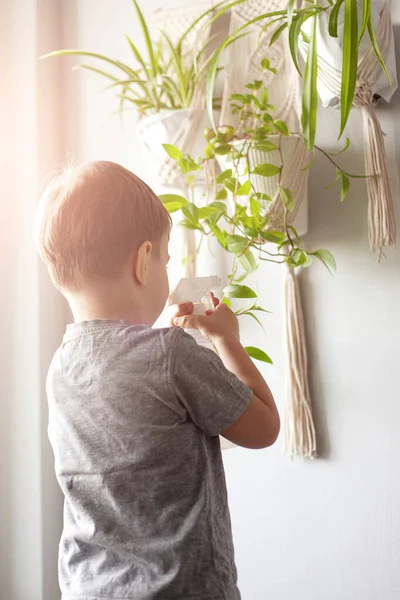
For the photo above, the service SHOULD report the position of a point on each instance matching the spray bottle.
(198, 291)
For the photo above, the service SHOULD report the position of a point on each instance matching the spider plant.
(292, 19)
(167, 75)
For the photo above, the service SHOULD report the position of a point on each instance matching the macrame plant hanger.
(372, 84)
(183, 128)
(243, 66)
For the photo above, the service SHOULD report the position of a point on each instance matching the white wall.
(330, 528)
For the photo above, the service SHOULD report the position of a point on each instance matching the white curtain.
(32, 314)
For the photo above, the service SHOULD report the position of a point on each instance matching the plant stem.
(285, 215)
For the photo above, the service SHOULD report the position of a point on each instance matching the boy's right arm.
(258, 426)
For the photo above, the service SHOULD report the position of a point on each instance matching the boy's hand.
(180, 310)
(221, 323)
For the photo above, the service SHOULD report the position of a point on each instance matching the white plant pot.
(182, 128)
(295, 158)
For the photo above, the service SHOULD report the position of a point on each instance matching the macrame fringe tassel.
(299, 430)
(381, 214)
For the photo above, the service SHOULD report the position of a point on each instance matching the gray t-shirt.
(134, 418)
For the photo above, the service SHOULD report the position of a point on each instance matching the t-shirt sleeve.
(213, 396)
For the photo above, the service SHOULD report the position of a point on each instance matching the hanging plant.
(165, 84)
(249, 209)
(294, 19)
(166, 76)
(235, 209)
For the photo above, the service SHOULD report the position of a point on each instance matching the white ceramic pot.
(295, 158)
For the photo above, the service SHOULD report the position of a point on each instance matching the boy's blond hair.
(90, 220)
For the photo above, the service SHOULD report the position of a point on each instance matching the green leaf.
(259, 308)
(248, 261)
(255, 85)
(281, 127)
(288, 198)
(262, 196)
(231, 184)
(265, 64)
(178, 70)
(245, 189)
(224, 175)
(173, 151)
(326, 257)
(226, 301)
(297, 258)
(258, 354)
(290, 8)
(236, 243)
(277, 33)
(310, 94)
(205, 212)
(365, 19)
(310, 163)
(266, 170)
(219, 205)
(188, 224)
(173, 202)
(221, 194)
(266, 146)
(294, 231)
(147, 39)
(250, 232)
(191, 210)
(308, 262)
(222, 149)
(137, 54)
(345, 187)
(333, 19)
(376, 48)
(209, 151)
(276, 237)
(225, 133)
(239, 291)
(349, 61)
(187, 164)
(218, 233)
(250, 314)
(338, 176)
(116, 80)
(294, 34)
(255, 207)
(347, 144)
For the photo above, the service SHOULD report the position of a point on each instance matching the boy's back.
(134, 417)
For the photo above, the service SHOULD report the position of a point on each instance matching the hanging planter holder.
(243, 66)
(182, 127)
(372, 85)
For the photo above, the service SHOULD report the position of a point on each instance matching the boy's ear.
(142, 263)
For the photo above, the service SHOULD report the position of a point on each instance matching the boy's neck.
(108, 304)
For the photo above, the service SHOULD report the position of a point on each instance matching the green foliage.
(165, 75)
(293, 19)
(173, 202)
(258, 354)
(234, 211)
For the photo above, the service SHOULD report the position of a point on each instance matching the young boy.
(135, 412)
